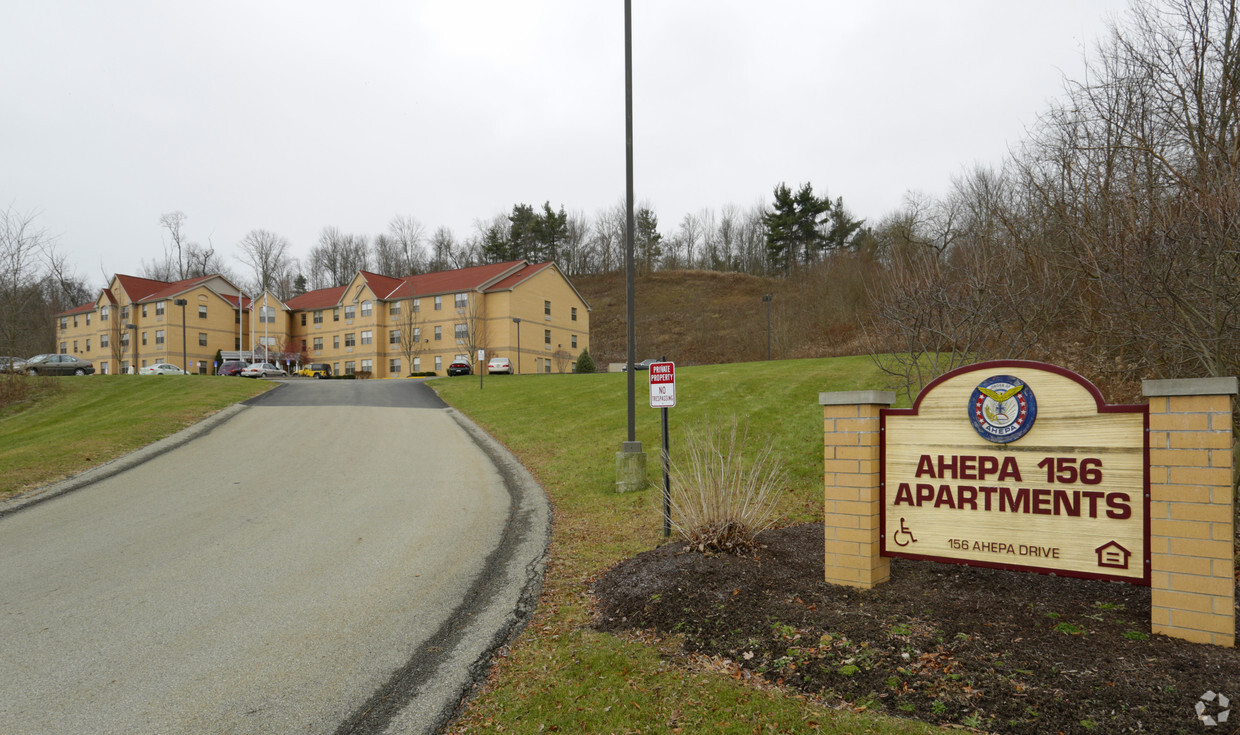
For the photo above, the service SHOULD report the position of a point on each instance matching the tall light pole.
(517, 320)
(184, 363)
(631, 461)
(767, 298)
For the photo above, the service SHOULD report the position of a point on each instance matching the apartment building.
(375, 325)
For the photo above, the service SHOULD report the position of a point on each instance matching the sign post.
(663, 395)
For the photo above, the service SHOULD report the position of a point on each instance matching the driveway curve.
(339, 557)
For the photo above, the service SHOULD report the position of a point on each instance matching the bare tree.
(336, 258)
(410, 239)
(174, 223)
(412, 343)
(443, 243)
(23, 249)
(267, 255)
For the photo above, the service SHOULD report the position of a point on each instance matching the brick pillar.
(1192, 562)
(851, 477)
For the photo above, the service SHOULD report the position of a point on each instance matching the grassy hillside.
(710, 317)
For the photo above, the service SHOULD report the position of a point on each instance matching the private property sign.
(1017, 465)
(662, 384)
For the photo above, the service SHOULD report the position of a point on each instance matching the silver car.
(52, 364)
(262, 370)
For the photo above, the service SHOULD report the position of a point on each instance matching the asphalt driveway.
(340, 556)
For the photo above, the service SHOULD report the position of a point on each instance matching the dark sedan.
(56, 365)
(459, 367)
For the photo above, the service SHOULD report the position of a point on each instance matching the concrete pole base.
(630, 467)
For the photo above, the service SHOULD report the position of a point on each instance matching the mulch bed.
(944, 643)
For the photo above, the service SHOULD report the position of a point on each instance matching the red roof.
(462, 279)
(321, 299)
(381, 285)
(171, 289)
(78, 309)
(246, 302)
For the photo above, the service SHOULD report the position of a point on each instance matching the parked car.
(316, 370)
(52, 364)
(161, 368)
(499, 366)
(7, 363)
(232, 367)
(262, 370)
(639, 366)
(460, 367)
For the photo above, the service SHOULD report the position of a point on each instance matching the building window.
(335, 341)
(103, 313)
(64, 322)
(266, 314)
(103, 341)
(202, 311)
(394, 337)
(336, 317)
(547, 337)
(546, 366)
(124, 366)
(366, 308)
(335, 368)
(237, 343)
(461, 333)
(88, 320)
(394, 308)
(547, 308)
(350, 367)
(438, 303)
(64, 348)
(103, 367)
(574, 341)
(438, 333)
(417, 364)
(88, 345)
(461, 300)
(318, 317)
(125, 339)
(159, 336)
(144, 311)
(394, 366)
(143, 338)
(417, 305)
(349, 312)
(574, 313)
(318, 344)
(124, 313)
(438, 363)
(417, 334)
(367, 366)
(303, 319)
(367, 337)
(159, 308)
(349, 340)
(202, 339)
(237, 316)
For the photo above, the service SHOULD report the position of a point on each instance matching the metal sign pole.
(667, 482)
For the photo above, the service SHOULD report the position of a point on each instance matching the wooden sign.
(1017, 465)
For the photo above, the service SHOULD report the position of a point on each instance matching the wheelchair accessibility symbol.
(908, 536)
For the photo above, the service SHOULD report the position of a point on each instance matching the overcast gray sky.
(291, 116)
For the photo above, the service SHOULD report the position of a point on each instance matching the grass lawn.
(78, 422)
(562, 675)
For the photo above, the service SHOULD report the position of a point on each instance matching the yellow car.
(316, 370)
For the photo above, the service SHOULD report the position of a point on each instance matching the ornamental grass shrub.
(721, 499)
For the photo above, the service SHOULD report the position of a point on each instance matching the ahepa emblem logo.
(1002, 409)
